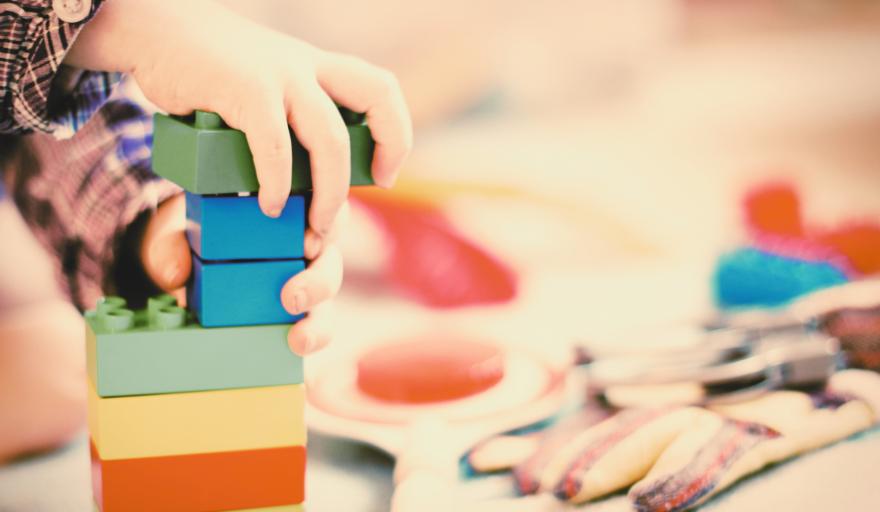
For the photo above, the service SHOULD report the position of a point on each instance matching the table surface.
(843, 475)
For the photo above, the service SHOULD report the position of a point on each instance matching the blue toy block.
(234, 228)
(241, 292)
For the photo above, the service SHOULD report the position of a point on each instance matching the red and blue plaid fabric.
(37, 91)
(80, 195)
(77, 162)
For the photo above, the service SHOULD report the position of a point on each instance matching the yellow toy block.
(201, 422)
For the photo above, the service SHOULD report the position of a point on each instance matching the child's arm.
(198, 55)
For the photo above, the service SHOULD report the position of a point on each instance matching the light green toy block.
(204, 156)
(161, 349)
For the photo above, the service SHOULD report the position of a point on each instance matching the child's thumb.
(168, 262)
(164, 249)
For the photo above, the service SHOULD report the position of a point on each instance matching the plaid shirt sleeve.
(36, 90)
(77, 162)
(81, 195)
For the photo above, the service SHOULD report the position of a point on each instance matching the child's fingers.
(265, 125)
(168, 262)
(320, 129)
(314, 285)
(363, 87)
(315, 243)
(165, 253)
(313, 332)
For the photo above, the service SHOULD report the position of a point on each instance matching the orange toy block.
(198, 482)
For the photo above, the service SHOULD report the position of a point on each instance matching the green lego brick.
(204, 156)
(161, 349)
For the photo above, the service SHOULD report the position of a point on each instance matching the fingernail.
(299, 302)
(172, 275)
(308, 344)
(387, 181)
(274, 212)
(312, 245)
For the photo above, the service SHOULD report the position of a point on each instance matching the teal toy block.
(204, 156)
(234, 228)
(161, 349)
(241, 292)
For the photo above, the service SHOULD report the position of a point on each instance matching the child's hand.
(198, 55)
(165, 255)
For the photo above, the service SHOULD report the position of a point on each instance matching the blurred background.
(581, 165)
(597, 137)
(601, 151)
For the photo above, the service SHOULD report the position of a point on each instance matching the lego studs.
(117, 320)
(208, 121)
(170, 317)
(107, 304)
(112, 314)
(162, 312)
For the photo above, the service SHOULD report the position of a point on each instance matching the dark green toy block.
(204, 156)
(161, 349)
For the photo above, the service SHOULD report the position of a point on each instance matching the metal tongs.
(731, 365)
(739, 357)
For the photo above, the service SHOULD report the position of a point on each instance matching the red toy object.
(204, 481)
(432, 262)
(773, 217)
(859, 241)
(430, 370)
(428, 439)
(774, 209)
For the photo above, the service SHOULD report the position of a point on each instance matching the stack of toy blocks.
(202, 409)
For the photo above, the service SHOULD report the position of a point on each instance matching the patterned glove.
(674, 459)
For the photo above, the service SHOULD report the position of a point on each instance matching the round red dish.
(429, 370)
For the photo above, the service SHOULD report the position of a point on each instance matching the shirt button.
(72, 11)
